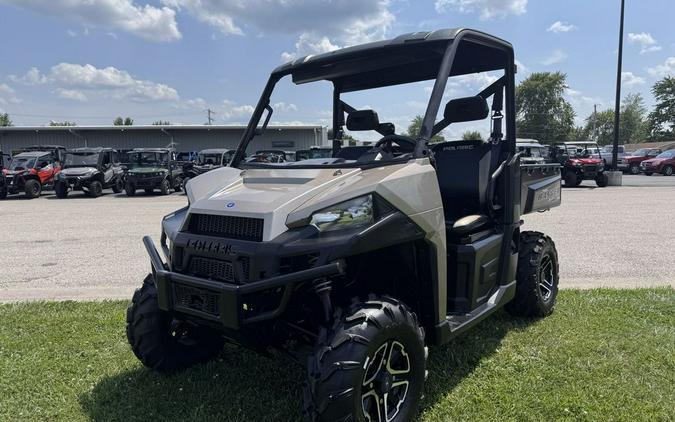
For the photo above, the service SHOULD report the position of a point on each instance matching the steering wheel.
(405, 144)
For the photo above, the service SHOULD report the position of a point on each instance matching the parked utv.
(207, 160)
(631, 162)
(532, 152)
(30, 173)
(581, 161)
(90, 170)
(356, 266)
(153, 168)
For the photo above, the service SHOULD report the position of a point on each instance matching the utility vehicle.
(313, 152)
(152, 168)
(207, 160)
(355, 266)
(581, 161)
(631, 162)
(532, 152)
(57, 151)
(90, 170)
(30, 172)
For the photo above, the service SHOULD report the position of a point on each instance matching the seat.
(463, 169)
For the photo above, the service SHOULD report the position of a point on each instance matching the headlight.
(357, 212)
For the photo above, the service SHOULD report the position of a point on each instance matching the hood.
(655, 161)
(143, 170)
(14, 172)
(587, 161)
(281, 196)
(78, 171)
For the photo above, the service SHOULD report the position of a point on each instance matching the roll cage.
(409, 58)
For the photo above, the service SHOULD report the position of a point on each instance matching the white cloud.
(489, 9)
(665, 69)
(71, 94)
(308, 44)
(558, 27)
(281, 106)
(145, 21)
(230, 110)
(31, 77)
(320, 25)
(645, 40)
(7, 95)
(628, 79)
(73, 80)
(71, 33)
(521, 68)
(6, 89)
(556, 57)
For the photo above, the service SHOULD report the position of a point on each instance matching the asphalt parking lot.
(84, 248)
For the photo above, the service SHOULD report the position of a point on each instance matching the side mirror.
(363, 120)
(466, 109)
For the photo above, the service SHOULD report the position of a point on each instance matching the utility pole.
(617, 102)
(595, 122)
(209, 112)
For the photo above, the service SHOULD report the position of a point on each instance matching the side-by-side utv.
(356, 266)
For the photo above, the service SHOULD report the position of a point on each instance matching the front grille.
(231, 227)
(591, 168)
(212, 268)
(197, 299)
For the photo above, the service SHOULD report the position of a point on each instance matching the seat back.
(463, 169)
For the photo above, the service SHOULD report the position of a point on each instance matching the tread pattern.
(528, 301)
(328, 392)
(148, 333)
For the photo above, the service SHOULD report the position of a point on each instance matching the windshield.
(81, 159)
(22, 163)
(214, 159)
(148, 159)
(307, 154)
(640, 153)
(388, 120)
(581, 151)
(667, 154)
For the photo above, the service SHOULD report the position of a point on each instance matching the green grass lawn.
(603, 355)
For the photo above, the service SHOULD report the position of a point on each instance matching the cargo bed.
(540, 187)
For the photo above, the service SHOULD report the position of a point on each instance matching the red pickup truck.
(663, 163)
(631, 162)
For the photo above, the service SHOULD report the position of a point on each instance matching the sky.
(89, 61)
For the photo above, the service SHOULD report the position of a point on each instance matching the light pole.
(615, 178)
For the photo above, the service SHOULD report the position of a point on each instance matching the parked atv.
(207, 160)
(581, 161)
(90, 170)
(356, 266)
(30, 173)
(152, 168)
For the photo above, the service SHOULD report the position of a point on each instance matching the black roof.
(32, 154)
(407, 58)
(215, 151)
(90, 149)
(162, 150)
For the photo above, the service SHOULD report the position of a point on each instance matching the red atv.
(581, 161)
(30, 172)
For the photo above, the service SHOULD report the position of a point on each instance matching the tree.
(541, 111)
(472, 135)
(416, 125)
(161, 123)
(633, 128)
(5, 120)
(661, 121)
(127, 121)
(64, 123)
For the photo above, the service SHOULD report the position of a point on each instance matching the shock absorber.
(323, 287)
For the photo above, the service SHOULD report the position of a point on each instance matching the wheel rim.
(386, 382)
(36, 188)
(546, 278)
(669, 171)
(634, 169)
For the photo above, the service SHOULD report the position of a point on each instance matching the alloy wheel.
(386, 382)
(546, 275)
